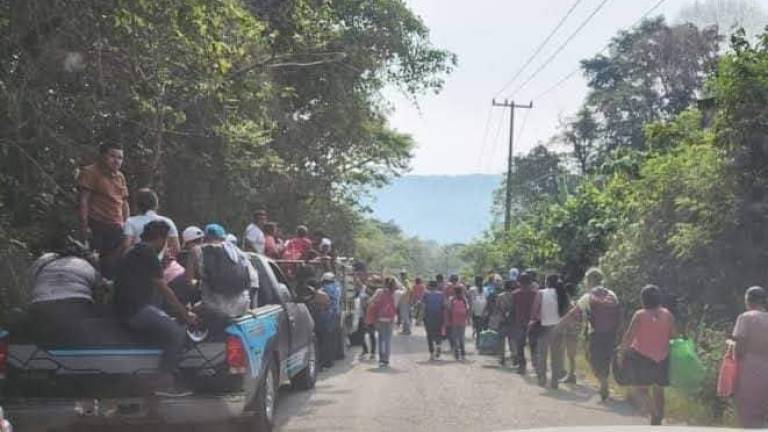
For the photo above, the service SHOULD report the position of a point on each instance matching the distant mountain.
(446, 209)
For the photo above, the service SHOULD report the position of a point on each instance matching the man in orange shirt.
(103, 204)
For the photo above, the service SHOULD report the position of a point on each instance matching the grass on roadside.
(679, 407)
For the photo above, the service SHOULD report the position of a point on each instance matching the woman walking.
(363, 329)
(382, 314)
(644, 351)
(550, 304)
(751, 336)
(457, 320)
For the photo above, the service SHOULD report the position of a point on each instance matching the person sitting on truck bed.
(148, 203)
(298, 248)
(139, 278)
(227, 277)
(63, 282)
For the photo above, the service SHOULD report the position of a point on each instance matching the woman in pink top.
(644, 352)
(382, 315)
(751, 335)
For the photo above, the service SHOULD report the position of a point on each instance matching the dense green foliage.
(222, 106)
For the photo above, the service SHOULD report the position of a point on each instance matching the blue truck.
(235, 373)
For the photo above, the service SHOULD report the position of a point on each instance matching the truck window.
(267, 290)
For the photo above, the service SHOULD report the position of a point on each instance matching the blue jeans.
(385, 340)
(163, 330)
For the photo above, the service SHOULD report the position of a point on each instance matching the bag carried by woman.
(729, 373)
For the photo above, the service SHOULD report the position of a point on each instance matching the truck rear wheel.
(265, 402)
(306, 379)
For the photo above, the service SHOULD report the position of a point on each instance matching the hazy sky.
(492, 39)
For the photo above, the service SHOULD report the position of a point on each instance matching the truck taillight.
(3, 357)
(236, 358)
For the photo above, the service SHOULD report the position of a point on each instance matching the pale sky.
(492, 39)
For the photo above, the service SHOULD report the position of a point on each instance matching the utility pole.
(508, 204)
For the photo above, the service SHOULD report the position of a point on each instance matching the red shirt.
(458, 311)
(417, 292)
(522, 302)
(653, 329)
(297, 248)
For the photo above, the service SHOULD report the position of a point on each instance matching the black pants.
(153, 322)
(326, 339)
(434, 334)
(107, 240)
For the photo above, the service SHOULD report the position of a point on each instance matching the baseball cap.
(513, 274)
(192, 233)
(328, 277)
(215, 230)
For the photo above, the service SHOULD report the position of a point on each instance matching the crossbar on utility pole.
(508, 203)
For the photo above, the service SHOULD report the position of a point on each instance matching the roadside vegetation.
(660, 178)
(222, 107)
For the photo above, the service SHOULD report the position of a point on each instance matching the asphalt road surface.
(415, 394)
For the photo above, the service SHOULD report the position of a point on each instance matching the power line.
(495, 141)
(561, 47)
(573, 72)
(540, 47)
(485, 139)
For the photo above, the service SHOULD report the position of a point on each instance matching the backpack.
(386, 308)
(433, 303)
(221, 274)
(605, 311)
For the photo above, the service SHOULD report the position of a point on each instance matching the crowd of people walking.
(541, 320)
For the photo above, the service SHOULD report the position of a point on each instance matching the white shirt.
(254, 237)
(549, 313)
(478, 301)
(134, 226)
(55, 278)
(398, 296)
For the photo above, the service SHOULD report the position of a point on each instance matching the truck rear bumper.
(58, 414)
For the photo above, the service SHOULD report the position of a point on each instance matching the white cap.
(328, 277)
(192, 233)
(325, 242)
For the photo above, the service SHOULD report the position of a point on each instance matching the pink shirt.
(458, 312)
(653, 329)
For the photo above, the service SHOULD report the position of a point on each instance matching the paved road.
(416, 394)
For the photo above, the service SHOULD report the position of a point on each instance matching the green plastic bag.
(686, 372)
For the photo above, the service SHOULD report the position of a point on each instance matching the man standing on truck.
(103, 205)
(254, 237)
(138, 281)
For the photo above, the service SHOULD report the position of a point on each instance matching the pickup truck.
(235, 374)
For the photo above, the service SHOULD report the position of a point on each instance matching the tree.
(651, 73)
(222, 106)
(727, 15)
(538, 177)
(582, 135)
